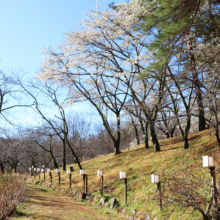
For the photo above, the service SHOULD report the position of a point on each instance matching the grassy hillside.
(139, 164)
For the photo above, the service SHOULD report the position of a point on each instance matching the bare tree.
(79, 133)
(12, 150)
(167, 122)
(11, 94)
(44, 137)
(186, 192)
(59, 126)
(177, 91)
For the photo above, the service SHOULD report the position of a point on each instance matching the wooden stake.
(59, 179)
(126, 189)
(160, 198)
(101, 185)
(70, 183)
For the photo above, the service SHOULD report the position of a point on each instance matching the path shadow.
(44, 200)
(173, 148)
(20, 214)
(43, 190)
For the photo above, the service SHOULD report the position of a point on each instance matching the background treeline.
(38, 147)
(150, 70)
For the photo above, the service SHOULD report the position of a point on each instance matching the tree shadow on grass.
(171, 148)
(43, 190)
(19, 213)
(54, 218)
(48, 202)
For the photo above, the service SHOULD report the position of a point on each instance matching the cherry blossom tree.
(103, 59)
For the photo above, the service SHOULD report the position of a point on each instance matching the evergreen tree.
(175, 25)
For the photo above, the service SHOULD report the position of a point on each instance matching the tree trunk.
(185, 142)
(197, 84)
(64, 155)
(154, 138)
(136, 134)
(202, 123)
(51, 154)
(2, 168)
(146, 136)
(117, 141)
(186, 133)
(216, 123)
(54, 161)
(205, 217)
(116, 147)
(167, 135)
(217, 135)
(15, 168)
(135, 130)
(172, 132)
(74, 155)
(145, 133)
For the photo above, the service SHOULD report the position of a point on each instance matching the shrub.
(12, 192)
(187, 192)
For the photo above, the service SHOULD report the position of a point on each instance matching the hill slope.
(139, 164)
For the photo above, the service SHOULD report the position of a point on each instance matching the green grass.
(139, 164)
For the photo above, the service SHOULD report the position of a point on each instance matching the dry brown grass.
(46, 204)
(139, 164)
(12, 189)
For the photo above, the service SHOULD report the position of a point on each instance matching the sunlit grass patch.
(139, 164)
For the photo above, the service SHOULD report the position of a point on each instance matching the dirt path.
(45, 204)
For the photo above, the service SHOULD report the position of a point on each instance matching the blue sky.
(28, 26)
